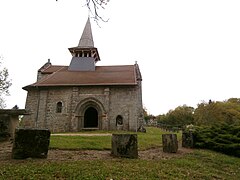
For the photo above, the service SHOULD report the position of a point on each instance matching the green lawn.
(201, 164)
(153, 138)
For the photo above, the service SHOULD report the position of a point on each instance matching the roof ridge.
(116, 65)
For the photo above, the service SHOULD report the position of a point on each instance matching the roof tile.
(103, 75)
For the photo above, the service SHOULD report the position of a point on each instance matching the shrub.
(222, 138)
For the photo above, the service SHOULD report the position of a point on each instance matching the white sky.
(188, 50)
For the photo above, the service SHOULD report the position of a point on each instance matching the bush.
(222, 138)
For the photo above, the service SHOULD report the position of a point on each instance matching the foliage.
(222, 138)
(218, 112)
(5, 83)
(200, 164)
(153, 138)
(179, 117)
(211, 113)
(147, 116)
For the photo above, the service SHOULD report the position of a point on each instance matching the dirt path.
(74, 155)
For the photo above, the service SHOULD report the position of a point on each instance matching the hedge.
(222, 138)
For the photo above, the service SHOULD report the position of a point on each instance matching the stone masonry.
(110, 102)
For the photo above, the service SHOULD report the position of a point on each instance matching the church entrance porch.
(89, 112)
(91, 118)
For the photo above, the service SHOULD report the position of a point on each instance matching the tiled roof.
(52, 69)
(103, 75)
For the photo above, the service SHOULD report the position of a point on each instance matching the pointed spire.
(85, 48)
(87, 38)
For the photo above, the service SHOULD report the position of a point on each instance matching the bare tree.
(95, 6)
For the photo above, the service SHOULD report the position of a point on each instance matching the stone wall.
(110, 102)
(9, 120)
(42, 107)
(123, 102)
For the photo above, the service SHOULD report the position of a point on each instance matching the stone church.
(83, 95)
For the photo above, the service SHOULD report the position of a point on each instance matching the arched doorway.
(91, 118)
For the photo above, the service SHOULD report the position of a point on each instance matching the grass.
(201, 164)
(153, 138)
(80, 142)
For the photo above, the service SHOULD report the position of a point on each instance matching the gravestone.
(187, 139)
(31, 143)
(142, 129)
(125, 145)
(170, 143)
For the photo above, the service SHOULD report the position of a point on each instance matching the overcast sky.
(188, 51)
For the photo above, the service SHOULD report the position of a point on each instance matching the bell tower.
(85, 55)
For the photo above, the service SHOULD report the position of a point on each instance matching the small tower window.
(59, 107)
(80, 54)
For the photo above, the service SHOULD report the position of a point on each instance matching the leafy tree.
(161, 118)
(5, 83)
(180, 116)
(218, 112)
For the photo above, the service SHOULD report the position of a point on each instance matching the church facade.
(83, 95)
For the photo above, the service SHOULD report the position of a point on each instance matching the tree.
(218, 112)
(147, 116)
(179, 117)
(95, 6)
(5, 83)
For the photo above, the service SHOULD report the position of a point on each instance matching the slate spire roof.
(85, 46)
(86, 38)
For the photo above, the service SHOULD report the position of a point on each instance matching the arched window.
(59, 107)
(119, 120)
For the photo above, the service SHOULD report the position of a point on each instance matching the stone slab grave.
(125, 145)
(30, 143)
(187, 139)
(170, 143)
